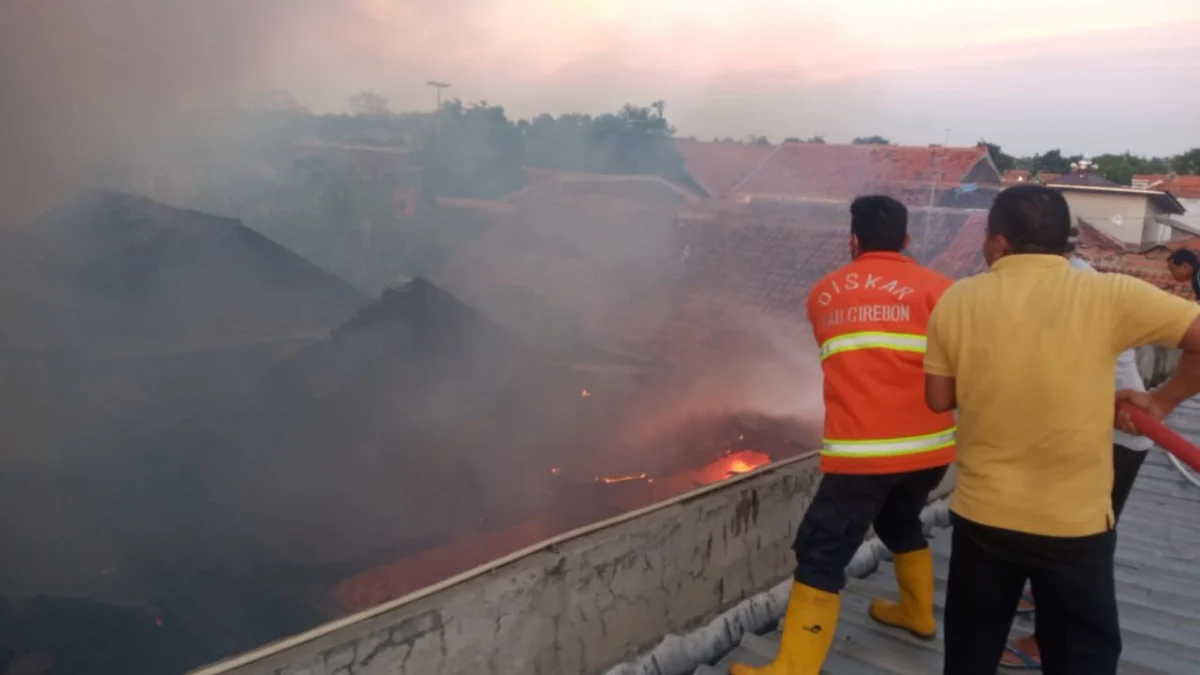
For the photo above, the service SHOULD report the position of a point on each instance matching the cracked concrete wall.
(581, 605)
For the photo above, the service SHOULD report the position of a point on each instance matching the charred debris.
(209, 434)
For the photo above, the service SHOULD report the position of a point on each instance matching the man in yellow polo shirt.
(1027, 354)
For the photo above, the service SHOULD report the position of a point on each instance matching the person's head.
(1028, 219)
(877, 223)
(1183, 264)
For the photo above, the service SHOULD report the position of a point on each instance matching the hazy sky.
(81, 76)
(1089, 75)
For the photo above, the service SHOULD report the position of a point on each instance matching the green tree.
(1053, 162)
(1122, 168)
(1187, 163)
(1004, 162)
(635, 140)
(871, 140)
(474, 152)
(369, 104)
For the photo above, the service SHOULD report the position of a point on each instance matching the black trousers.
(1126, 465)
(1073, 586)
(842, 511)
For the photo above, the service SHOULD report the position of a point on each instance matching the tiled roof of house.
(1150, 264)
(1183, 187)
(721, 167)
(741, 269)
(1015, 176)
(843, 171)
(617, 190)
(1047, 177)
(657, 280)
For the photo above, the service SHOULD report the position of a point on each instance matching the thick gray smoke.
(85, 82)
(171, 374)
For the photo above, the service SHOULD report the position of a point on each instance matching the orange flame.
(585, 393)
(620, 479)
(742, 461)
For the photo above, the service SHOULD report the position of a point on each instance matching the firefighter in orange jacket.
(883, 451)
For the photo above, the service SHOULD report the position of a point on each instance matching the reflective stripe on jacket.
(870, 319)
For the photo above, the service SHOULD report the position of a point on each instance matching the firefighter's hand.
(1147, 401)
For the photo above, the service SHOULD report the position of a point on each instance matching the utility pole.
(438, 87)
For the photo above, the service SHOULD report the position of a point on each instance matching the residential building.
(1016, 177)
(1147, 262)
(1185, 188)
(1135, 217)
(820, 171)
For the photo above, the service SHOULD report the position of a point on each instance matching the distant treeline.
(476, 150)
(349, 220)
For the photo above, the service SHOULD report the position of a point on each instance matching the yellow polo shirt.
(1033, 346)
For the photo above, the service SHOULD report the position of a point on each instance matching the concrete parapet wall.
(579, 603)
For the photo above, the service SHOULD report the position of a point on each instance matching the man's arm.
(939, 370)
(1182, 385)
(939, 393)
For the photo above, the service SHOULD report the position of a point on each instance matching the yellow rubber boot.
(807, 633)
(914, 612)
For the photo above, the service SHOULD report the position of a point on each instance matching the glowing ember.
(740, 466)
(585, 393)
(554, 470)
(742, 461)
(620, 479)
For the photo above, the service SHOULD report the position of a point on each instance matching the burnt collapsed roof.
(415, 423)
(116, 304)
(404, 409)
(122, 269)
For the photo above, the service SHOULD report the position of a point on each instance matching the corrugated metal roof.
(1158, 586)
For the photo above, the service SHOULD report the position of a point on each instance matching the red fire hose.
(1158, 432)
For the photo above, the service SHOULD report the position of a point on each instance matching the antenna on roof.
(929, 209)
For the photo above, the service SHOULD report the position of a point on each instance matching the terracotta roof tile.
(1015, 176)
(1108, 255)
(741, 270)
(963, 255)
(844, 171)
(720, 167)
(1183, 187)
(643, 278)
(613, 191)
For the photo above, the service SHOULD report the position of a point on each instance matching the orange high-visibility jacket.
(870, 319)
